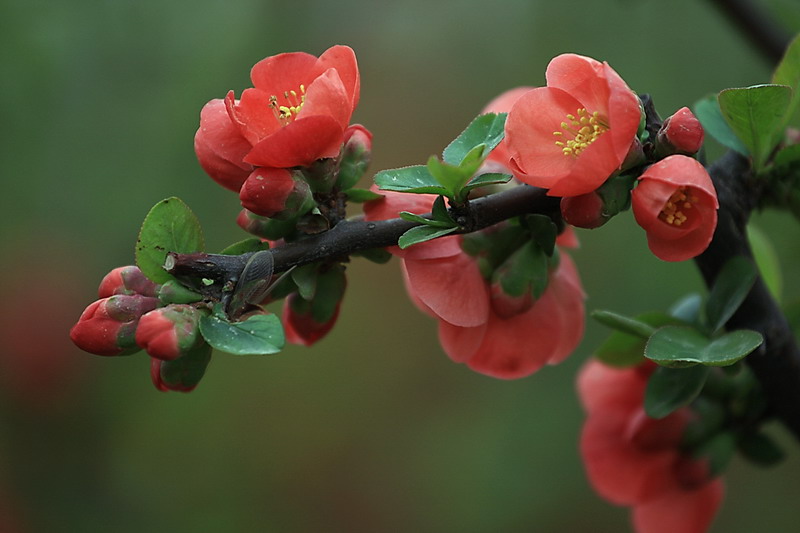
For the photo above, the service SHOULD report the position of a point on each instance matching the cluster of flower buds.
(133, 314)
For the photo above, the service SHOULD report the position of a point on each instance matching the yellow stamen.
(287, 113)
(681, 198)
(583, 130)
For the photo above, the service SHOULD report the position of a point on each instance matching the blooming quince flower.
(636, 461)
(676, 204)
(491, 335)
(571, 135)
(296, 113)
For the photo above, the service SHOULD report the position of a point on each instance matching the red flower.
(676, 204)
(570, 136)
(296, 113)
(493, 336)
(634, 460)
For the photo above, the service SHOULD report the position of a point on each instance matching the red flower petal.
(603, 388)
(283, 72)
(220, 147)
(684, 511)
(299, 143)
(460, 344)
(343, 59)
(326, 95)
(582, 77)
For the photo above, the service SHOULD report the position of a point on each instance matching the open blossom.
(676, 204)
(493, 334)
(571, 135)
(637, 461)
(295, 113)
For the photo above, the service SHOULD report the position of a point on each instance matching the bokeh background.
(373, 429)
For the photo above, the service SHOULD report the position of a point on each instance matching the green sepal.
(329, 291)
(483, 180)
(669, 389)
(678, 346)
(170, 226)
(760, 449)
(305, 278)
(420, 234)
(544, 232)
(377, 255)
(708, 113)
(733, 282)
(173, 292)
(253, 244)
(415, 179)
(757, 115)
(622, 349)
(361, 195)
(718, 451)
(452, 178)
(625, 324)
(257, 335)
(525, 270)
(187, 370)
(487, 130)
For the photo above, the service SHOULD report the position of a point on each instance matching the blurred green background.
(373, 429)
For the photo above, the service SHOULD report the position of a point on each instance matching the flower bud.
(181, 374)
(126, 280)
(584, 211)
(320, 175)
(263, 227)
(307, 321)
(168, 332)
(276, 193)
(108, 326)
(172, 292)
(355, 156)
(506, 305)
(681, 133)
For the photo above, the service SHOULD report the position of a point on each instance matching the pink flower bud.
(181, 374)
(355, 156)
(263, 227)
(584, 211)
(275, 193)
(681, 133)
(507, 306)
(126, 280)
(168, 332)
(108, 326)
(160, 384)
(299, 323)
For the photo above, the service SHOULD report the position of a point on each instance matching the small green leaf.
(246, 246)
(623, 350)
(677, 346)
(411, 217)
(440, 213)
(331, 285)
(305, 277)
(729, 291)
(788, 73)
(170, 226)
(718, 451)
(623, 323)
(484, 180)
(258, 335)
(187, 370)
(687, 309)
(708, 113)
(757, 115)
(524, 270)
(760, 449)
(416, 179)
(361, 195)
(669, 389)
(451, 178)
(486, 129)
(420, 234)
(767, 260)
(544, 232)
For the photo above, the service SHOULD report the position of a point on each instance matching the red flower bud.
(275, 193)
(181, 374)
(676, 204)
(168, 332)
(108, 326)
(263, 227)
(681, 133)
(299, 323)
(584, 211)
(126, 280)
(355, 156)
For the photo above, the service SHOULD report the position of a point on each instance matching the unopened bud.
(181, 374)
(126, 280)
(108, 326)
(263, 227)
(307, 321)
(168, 332)
(355, 156)
(681, 133)
(276, 193)
(173, 292)
(584, 211)
(320, 175)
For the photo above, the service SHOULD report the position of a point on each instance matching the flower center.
(581, 131)
(671, 213)
(286, 113)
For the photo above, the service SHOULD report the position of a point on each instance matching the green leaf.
(544, 232)
(484, 180)
(787, 158)
(623, 323)
(416, 179)
(439, 212)
(767, 260)
(729, 291)
(170, 226)
(421, 234)
(189, 369)
(677, 346)
(687, 309)
(331, 285)
(411, 217)
(718, 451)
(757, 115)
(623, 350)
(305, 277)
(246, 246)
(361, 195)
(376, 255)
(486, 129)
(669, 389)
(451, 178)
(788, 73)
(760, 449)
(258, 335)
(708, 113)
(525, 270)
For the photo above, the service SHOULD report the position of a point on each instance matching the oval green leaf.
(258, 335)
(622, 349)
(669, 389)
(677, 346)
(485, 129)
(416, 179)
(733, 282)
